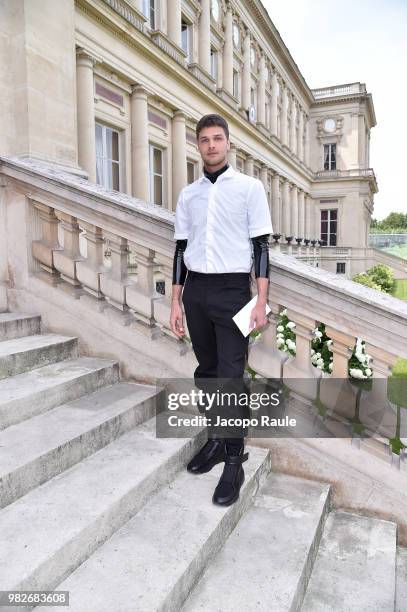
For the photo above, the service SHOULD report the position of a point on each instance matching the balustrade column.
(275, 203)
(65, 260)
(302, 374)
(43, 250)
(264, 356)
(205, 36)
(228, 53)
(113, 282)
(140, 297)
(89, 270)
(179, 156)
(86, 113)
(139, 142)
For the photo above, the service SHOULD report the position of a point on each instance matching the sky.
(334, 43)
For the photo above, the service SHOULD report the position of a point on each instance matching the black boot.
(228, 488)
(211, 453)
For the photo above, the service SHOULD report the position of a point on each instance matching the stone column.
(274, 104)
(86, 113)
(228, 53)
(286, 208)
(174, 22)
(246, 76)
(294, 211)
(284, 118)
(307, 143)
(89, 270)
(293, 135)
(205, 36)
(139, 143)
(261, 102)
(179, 155)
(309, 232)
(301, 135)
(264, 171)
(275, 203)
(300, 370)
(232, 156)
(301, 214)
(249, 165)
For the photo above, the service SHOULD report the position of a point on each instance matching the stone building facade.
(113, 89)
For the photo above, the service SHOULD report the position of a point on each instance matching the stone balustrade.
(62, 211)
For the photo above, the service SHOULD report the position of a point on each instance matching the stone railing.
(339, 90)
(46, 214)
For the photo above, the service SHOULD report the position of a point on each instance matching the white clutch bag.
(242, 318)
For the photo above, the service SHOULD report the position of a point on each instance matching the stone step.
(401, 580)
(23, 354)
(355, 567)
(30, 393)
(16, 325)
(38, 449)
(49, 532)
(266, 562)
(154, 560)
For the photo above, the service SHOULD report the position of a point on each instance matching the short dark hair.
(212, 120)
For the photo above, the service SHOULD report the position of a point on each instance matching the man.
(221, 219)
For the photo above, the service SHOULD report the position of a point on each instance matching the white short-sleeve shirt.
(218, 219)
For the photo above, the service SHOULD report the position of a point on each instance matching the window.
(256, 172)
(330, 157)
(214, 63)
(340, 267)
(156, 175)
(107, 157)
(191, 171)
(236, 83)
(150, 11)
(186, 38)
(160, 287)
(239, 164)
(329, 227)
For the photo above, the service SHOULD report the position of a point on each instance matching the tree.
(366, 280)
(383, 276)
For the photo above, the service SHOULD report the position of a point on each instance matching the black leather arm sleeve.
(261, 255)
(179, 269)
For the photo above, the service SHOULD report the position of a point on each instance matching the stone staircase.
(94, 503)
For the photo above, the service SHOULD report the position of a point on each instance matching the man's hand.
(177, 319)
(258, 317)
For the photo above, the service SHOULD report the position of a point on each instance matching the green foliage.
(321, 353)
(395, 222)
(378, 277)
(383, 276)
(366, 280)
(285, 339)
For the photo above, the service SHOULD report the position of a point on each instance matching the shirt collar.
(228, 173)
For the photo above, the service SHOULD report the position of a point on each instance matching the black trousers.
(210, 301)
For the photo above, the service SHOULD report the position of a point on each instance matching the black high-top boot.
(211, 453)
(228, 488)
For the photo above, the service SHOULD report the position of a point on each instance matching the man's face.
(213, 147)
